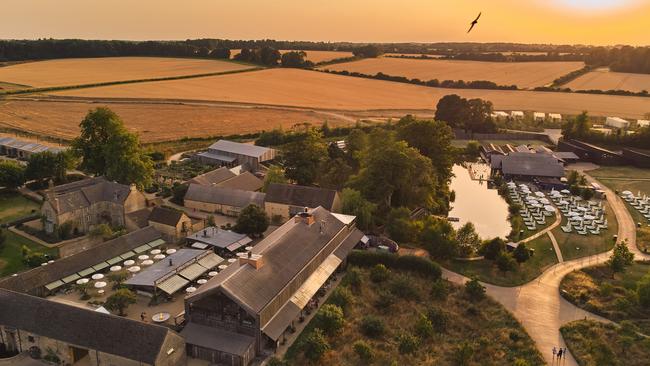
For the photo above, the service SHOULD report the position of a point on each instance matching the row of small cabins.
(240, 315)
(21, 149)
(519, 115)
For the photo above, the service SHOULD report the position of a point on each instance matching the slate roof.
(84, 328)
(209, 337)
(246, 181)
(224, 196)
(285, 252)
(84, 193)
(526, 164)
(295, 195)
(213, 177)
(165, 216)
(238, 148)
(60, 268)
(140, 217)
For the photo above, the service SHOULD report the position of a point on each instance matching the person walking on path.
(559, 355)
(554, 352)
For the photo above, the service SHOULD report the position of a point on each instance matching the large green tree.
(353, 203)
(275, 174)
(252, 220)
(12, 174)
(303, 158)
(107, 148)
(471, 115)
(577, 127)
(49, 165)
(356, 144)
(393, 174)
(620, 259)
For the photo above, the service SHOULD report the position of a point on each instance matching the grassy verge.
(11, 260)
(463, 331)
(595, 290)
(595, 344)
(14, 206)
(575, 246)
(487, 271)
(624, 181)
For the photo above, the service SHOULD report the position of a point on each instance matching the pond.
(479, 205)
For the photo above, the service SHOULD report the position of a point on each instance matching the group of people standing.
(559, 354)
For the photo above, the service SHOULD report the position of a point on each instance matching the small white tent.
(616, 122)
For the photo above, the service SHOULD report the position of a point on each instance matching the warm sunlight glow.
(595, 4)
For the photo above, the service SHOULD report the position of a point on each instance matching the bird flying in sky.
(475, 22)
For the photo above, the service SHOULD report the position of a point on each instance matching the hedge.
(419, 265)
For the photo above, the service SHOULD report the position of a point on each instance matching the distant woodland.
(622, 59)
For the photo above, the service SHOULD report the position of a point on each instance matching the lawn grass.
(14, 206)
(575, 246)
(593, 343)
(642, 232)
(486, 271)
(613, 297)
(11, 260)
(620, 172)
(484, 327)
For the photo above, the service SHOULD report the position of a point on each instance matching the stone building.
(90, 202)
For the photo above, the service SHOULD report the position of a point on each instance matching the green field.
(488, 272)
(620, 172)
(577, 246)
(11, 256)
(14, 206)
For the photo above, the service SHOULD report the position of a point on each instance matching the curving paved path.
(538, 304)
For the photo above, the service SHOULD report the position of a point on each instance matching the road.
(538, 304)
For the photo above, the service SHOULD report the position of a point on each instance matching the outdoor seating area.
(535, 207)
(640, 202)
(582, 217)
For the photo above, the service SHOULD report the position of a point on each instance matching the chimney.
(305, 217)
(255, 260)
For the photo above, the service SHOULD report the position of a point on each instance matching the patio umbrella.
(190, 289)
(129, 262)
(116, 268)
(213, 273)
(170, 251)
(97, 276)
(147, 262)
(573, 213)
(626, 193)
(159, 256)
(143, 257)
(155, 251)
(545, 201)
(511, 184)
(100, 284)
(563, 202)
(134, 269)
(202, 281)
(222, 267)
(537, 205)
(549, 208)
(583, 209)
(565, 191)
(589, 217)
(82, 281)
(232, 260)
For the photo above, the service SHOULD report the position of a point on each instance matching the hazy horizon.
(589, 22)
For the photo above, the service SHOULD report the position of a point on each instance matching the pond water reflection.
(479, 205)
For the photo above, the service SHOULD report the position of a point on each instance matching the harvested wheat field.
(76, 71)
(153, 121)
(523, 74)
(311, 89)
(603, 79)
(313, 56)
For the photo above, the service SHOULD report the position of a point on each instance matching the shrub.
(364, 351)
(402, 287)
(65, 230)
(521, 253)
(341, 297)
(315, 345)
(372, 327)
(643, 291)
(407, 343)
(438, 318)
(379, 273)
(463, 354)
(474, 290)
(353, 279)
(384, 300)
(274, 361)
(423, 327)
(491, 248)
(419, 265)
(606, 289)
(439, 290)
(330, 319)
(505, 262)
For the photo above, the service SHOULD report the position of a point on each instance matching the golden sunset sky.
(604, 22)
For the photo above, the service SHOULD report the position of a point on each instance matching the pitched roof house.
(173, 224)
(221, 200)
(74, 334)
(286, 200)
(90, 202)
(249, 305)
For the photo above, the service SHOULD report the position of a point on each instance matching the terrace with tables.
(640, 202)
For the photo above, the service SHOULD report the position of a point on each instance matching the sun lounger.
(595, 232)
(582, 232)
(566, 229)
